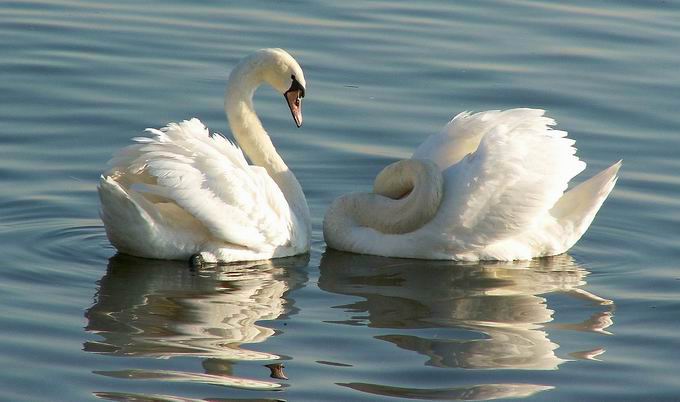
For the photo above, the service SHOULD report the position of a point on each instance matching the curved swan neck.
(406, 195)
(243, 121)
(247, 128)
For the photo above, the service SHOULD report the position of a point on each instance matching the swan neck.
(406, 196)
(251, 136)
(243, 121)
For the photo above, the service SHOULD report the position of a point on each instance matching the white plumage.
(183, 191)
(500, 195)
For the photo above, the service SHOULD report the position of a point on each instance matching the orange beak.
(294, 100)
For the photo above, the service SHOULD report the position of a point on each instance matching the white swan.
(184, 192)
(490, 186)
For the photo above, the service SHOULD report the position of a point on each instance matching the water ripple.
(177, 376)
(80, 78)
(482, 392)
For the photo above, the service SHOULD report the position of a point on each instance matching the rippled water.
(79, 78)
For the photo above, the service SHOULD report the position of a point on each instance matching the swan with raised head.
(489, 186)
(182, 192)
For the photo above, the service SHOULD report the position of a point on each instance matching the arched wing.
(462, 135)
(208, 177)
(519, 171)
(458, 138)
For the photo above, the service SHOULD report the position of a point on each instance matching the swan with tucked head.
(490, 186)
(183, 192)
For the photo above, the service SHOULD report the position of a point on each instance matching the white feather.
(505, 174)
(208, 179)
(181, 190)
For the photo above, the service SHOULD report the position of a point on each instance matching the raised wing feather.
(518, 172)
(458, 138)
(462, 135)
(208, 177)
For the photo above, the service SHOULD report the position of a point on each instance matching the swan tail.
(127, 218)
(576, 209)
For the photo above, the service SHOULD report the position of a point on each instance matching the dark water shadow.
(164, 309)
(487, 315)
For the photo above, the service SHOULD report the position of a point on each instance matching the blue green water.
(78, 79)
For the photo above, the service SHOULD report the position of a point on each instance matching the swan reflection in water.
(485, 316)
(164, 309)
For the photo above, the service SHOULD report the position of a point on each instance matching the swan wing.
(462, 135)
(458, 138)
(510, 182)
(208, 177)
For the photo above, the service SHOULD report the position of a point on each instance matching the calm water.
(79, 78)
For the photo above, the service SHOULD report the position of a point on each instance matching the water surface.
(80, 78)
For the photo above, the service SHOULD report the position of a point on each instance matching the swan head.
(285, 75)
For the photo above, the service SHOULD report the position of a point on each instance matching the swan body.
(183, 191)
(490, 186)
